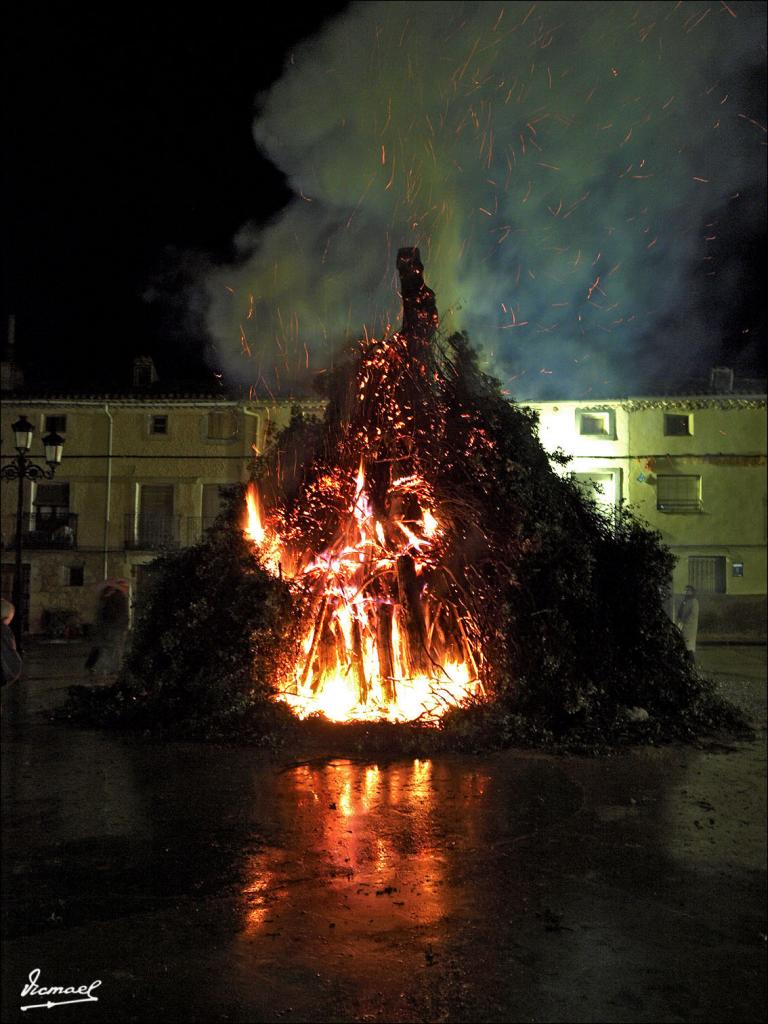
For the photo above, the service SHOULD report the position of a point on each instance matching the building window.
(55, 424)
(678, 493)
(76, 576)
(737, 569)
(677, 425)
(158, 424)
(707, 573)
(51, 525)
(600, 487)
(222, 426)
(52, 499)
(215, 500)
(156, 525)
(598, 423)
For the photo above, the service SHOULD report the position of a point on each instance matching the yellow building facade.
(140, 474)
(693, 468)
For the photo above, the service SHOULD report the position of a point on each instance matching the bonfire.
(373, 542)
(415, 557)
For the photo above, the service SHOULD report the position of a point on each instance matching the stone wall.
(732, 618)
(729, 618)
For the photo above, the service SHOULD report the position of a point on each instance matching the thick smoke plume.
(574, 173)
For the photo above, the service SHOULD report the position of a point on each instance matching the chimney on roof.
(11, 374)
(144, 371)
(721, 380)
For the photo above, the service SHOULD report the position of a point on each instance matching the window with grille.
(706, 573)
(158, 424)
(55, 424)
(156, 524)
(678, 493)
(222, 425)
(677, 425)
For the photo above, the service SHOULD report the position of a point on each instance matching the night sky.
(131, 166)
(585, 181)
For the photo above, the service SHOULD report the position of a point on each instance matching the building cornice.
(693, 403)
(687, 402)
(148, 401)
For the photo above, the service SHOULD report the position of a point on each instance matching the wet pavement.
(199, 882)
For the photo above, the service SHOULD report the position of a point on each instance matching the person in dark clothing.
(687, 618)
(111, 628)
(11, 657)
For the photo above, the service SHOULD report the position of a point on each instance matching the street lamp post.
(21, 468)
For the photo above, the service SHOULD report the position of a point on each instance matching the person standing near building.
(687, 618)
(11, 657)
(112, 617)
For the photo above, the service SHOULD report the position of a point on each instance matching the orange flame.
(258, 531)
(360, 658)
(254, 526)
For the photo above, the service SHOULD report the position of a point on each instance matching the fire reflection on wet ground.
(374, 838)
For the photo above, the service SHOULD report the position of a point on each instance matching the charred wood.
(384, 647)
(409, 594)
